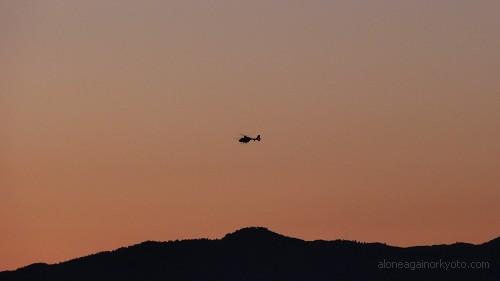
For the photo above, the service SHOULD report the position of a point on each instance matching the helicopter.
(246, 139)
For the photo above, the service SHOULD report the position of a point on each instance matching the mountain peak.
(253, 233)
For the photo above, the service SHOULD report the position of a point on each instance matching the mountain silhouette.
(256, 253)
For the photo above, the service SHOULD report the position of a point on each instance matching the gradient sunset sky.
(380, 121)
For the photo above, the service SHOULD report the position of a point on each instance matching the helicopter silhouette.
(246, 139)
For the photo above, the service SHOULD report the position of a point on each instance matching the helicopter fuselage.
(245, 139)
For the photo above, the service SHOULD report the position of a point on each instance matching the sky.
(120, 119)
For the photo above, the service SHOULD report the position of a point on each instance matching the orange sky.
(119, 120)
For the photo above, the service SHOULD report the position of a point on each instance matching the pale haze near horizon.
(380, 122)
